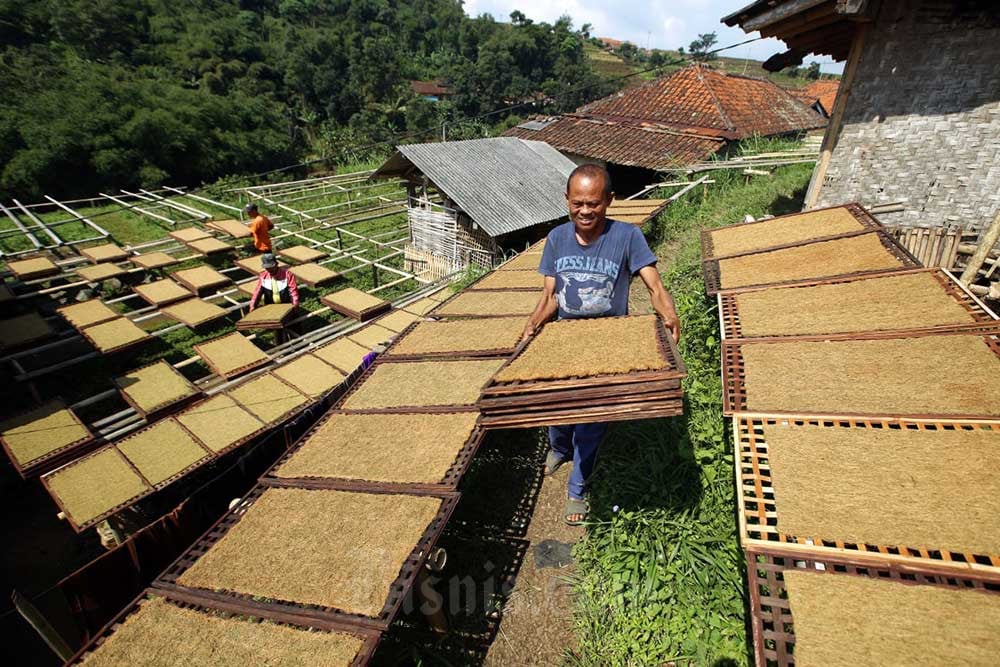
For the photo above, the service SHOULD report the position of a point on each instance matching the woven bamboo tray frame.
(770, 613)
(88, 334)
(866, 223)
(668, 352)
(362, 315)
(229, 226)
(34, 267)
(734, 397)
(69, 313)
(478, 292)
(154, 260)
(261, 429)
(218, 280)
(309, 613)
(55, 458)
(451, 354)
(449, 482)
(608, 412)
(95, 273)
(312, 274)
(183, 310)
(209, 246)
(253, 265)
(370, 637)
(757, 505)
(235, 371)
(281, 418)
(162, 408)
(301, 254)
(713, 276)
(189, 234)
(405, 409)
(243, 324)
(108, 252)
(179, 293)
(732, 329)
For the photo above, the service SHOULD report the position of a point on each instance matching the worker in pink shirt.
(275, 284)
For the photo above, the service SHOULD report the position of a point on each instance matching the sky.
(658, 24)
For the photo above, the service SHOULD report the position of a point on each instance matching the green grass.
(660, 571)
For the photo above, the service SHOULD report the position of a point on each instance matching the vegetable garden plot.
(906, 491)
(302, 253)
(809, 610)
(161, 292)
(493, 336)
(154, 388)
(484, 303)
(154, 260)
(99, 272)
(220, 423)
(87, 313)
(194, 312)
(872, 252)
(919, 300)
(936, 375)
(521, 280)
(30, 269)
(268, 316)
(313, 274)
(268, 398)
(36, 439)
(233, 228)
(115, 336)
(343, 354)
(201, 279)
(209, 246)
(22, 330)
(430, 451)
(310, 375)
(786, 231)
(315, 553)
(420, 386)
(231, 355)
(163, 452)
(158, 631)
(95, 486)
(356, 304)
(372, 335)
(109, 252)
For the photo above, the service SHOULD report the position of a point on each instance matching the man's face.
(588, 206)
(272, 270)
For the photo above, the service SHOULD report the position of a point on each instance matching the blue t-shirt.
(593, 280)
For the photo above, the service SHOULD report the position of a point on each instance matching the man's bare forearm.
(662, 302)
(545, 310)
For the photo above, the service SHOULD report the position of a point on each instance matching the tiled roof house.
(678, 119)
(820, 95)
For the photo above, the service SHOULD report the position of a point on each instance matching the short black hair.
(591, 170)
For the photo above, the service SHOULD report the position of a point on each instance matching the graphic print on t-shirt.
(588, 284)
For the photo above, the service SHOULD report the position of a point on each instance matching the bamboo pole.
(986, 243)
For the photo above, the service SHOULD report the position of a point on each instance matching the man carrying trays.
(588, 264)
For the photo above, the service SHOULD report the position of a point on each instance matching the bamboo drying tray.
(220, 423)
(154, 260)
(914, 300)
(860, 611)
(269, 398)
(38, 439)
(157, 628)
(420, 386)
(927, 516)
(372, 335)
(95, 486)
(870, 252)
(87, 313)
(351, 451)
(489, 303)
(302, 253)
(30, 269)
(231, 355)
(189, 234)
(154, 388)
(510, 280)
(201, 278)
(526, 261)
(163, 452)
(161, 292)
(194, 312)
(109, 252)
(115, 336)
(22, 330)
(267, 316)
(209, 246)
(397, 320)
(99, 272)
(252, 264)
(356, 304)
(492, 336)
(310, 375)
(921, 375)
(313, 274)
(343, 354)
(422, 306)
(786, 231)
(234, 228)
(266, 555)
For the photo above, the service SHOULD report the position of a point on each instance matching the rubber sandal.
(576, 506)
(552, 463)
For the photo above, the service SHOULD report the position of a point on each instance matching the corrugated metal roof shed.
(504, 184)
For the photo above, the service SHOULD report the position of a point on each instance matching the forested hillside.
(118, 93)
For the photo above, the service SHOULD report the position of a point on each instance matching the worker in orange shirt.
(259, 226)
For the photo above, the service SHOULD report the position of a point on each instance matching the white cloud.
(658, 24)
